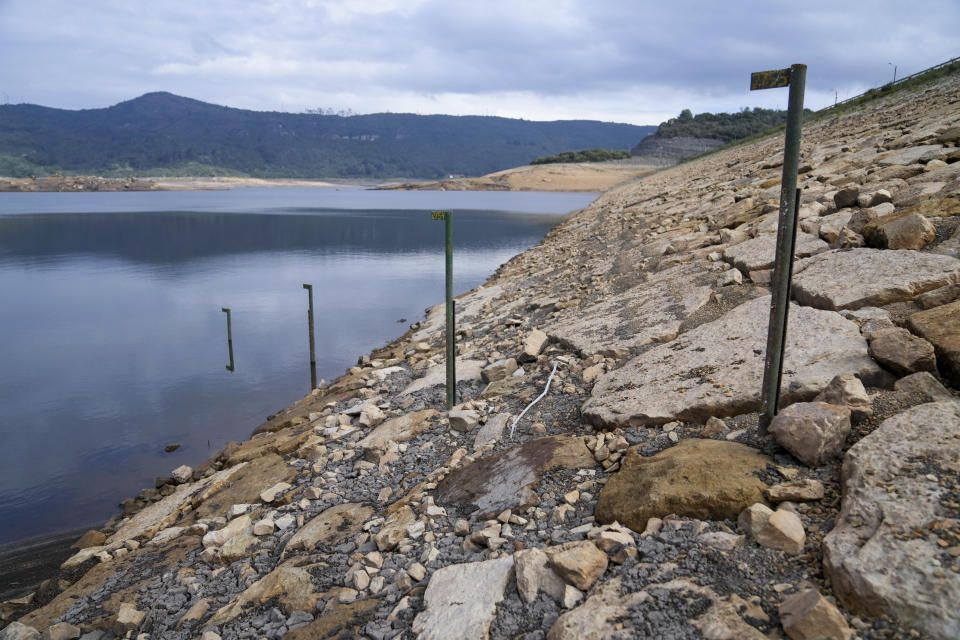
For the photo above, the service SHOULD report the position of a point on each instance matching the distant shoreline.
(81, 184)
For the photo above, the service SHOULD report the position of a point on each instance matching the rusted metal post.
(226, 310)
(313, 352)
(795, 77)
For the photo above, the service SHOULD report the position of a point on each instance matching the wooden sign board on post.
(769, 79)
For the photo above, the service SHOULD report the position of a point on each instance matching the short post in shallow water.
(226, 310)
(794, 77)
(313, 349)
(447, 217)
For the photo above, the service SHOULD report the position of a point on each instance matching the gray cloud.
(614, 59)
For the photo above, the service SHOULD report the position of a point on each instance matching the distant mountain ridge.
(164, 134)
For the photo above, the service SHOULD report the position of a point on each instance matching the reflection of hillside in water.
(175, 237)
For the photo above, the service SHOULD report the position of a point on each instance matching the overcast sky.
(618, 60)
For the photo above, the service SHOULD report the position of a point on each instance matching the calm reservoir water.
(112, 342)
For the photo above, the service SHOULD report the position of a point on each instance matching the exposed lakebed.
(113, 342)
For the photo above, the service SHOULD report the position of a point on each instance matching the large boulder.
(506, 480)
(895, 231)
(814, 432)
(330, 527)
(940, 326)
(902, 352)
(398, 429)
(761, 252)
(897, 482)
(716, 369)
(705, 479)
(869, 277)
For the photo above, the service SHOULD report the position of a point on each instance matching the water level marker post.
(313, 349)
(226, 310)
(447, 217)
(795, 77)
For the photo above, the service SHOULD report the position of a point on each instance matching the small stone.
(571, 596)
(729, 277)
(210, 635)
(721, 540)
(128, 617)
(783, 531)
(461, 527)
(263, 527)
(571, 497)
(361, 579)
(754, 518)
(417, 571)
(591, 373)
(463, 420)
(498, 370)
(714, 427)
(347, 594)
(371, 416)
(847, 196)
(237, 510)
(170, 448)
(847, 391)
(796, 491)
(810, 616)
(182, 474)
(312, 493)
(814, 432)
(533, 345)
(285, 521)
(579, 563)
(271, 494)
(62, 631)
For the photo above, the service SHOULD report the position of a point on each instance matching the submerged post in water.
(795, 78)
(313, 353)
(447, 217)
(226, 310)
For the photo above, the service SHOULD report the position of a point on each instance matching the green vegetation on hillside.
(721, 126)
(587, 155)
(164, 134)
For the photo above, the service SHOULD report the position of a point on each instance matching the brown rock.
(534, 576)
(399, 429)
(579, 563)
(92, 538)
(754, 518)
(810, 616)
(902, 352)
(796, 491)
(128, 618)
(714, 427)
(938, 297)
(506, 480)
(62, 631)
(498, 370)
(846, 197)
(330, 527)
(814, 432)
(291, 585)
(533, 344)
(705, 479)
(783, 531)
(923, 382)
(395, 528)
(941, 327)
(898, 231)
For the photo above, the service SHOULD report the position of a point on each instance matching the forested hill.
(689, 135)
(161, 133)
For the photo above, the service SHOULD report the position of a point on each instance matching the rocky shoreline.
(636, 499)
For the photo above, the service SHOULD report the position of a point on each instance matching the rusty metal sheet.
(769, 79)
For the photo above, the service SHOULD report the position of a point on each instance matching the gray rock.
(492, 430)
(869, 277)
(830, 226)
(650, 312)
(760, 252)
(467, 370)
(461, 600)
(754, 518)
(814, 432)
(702, 375)
(902, 352)
(874, 563)
(848, 391)
(17, 631)
(182, 474)
(534, 576)
(909, 155)
(498, 370)
(923, 382)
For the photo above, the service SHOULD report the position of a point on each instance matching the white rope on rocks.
(538, 399)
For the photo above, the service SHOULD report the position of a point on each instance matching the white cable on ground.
(540, 397)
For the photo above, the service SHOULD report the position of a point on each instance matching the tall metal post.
(786, 239)
(226, 310)
(451, 320)
(313, 352)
